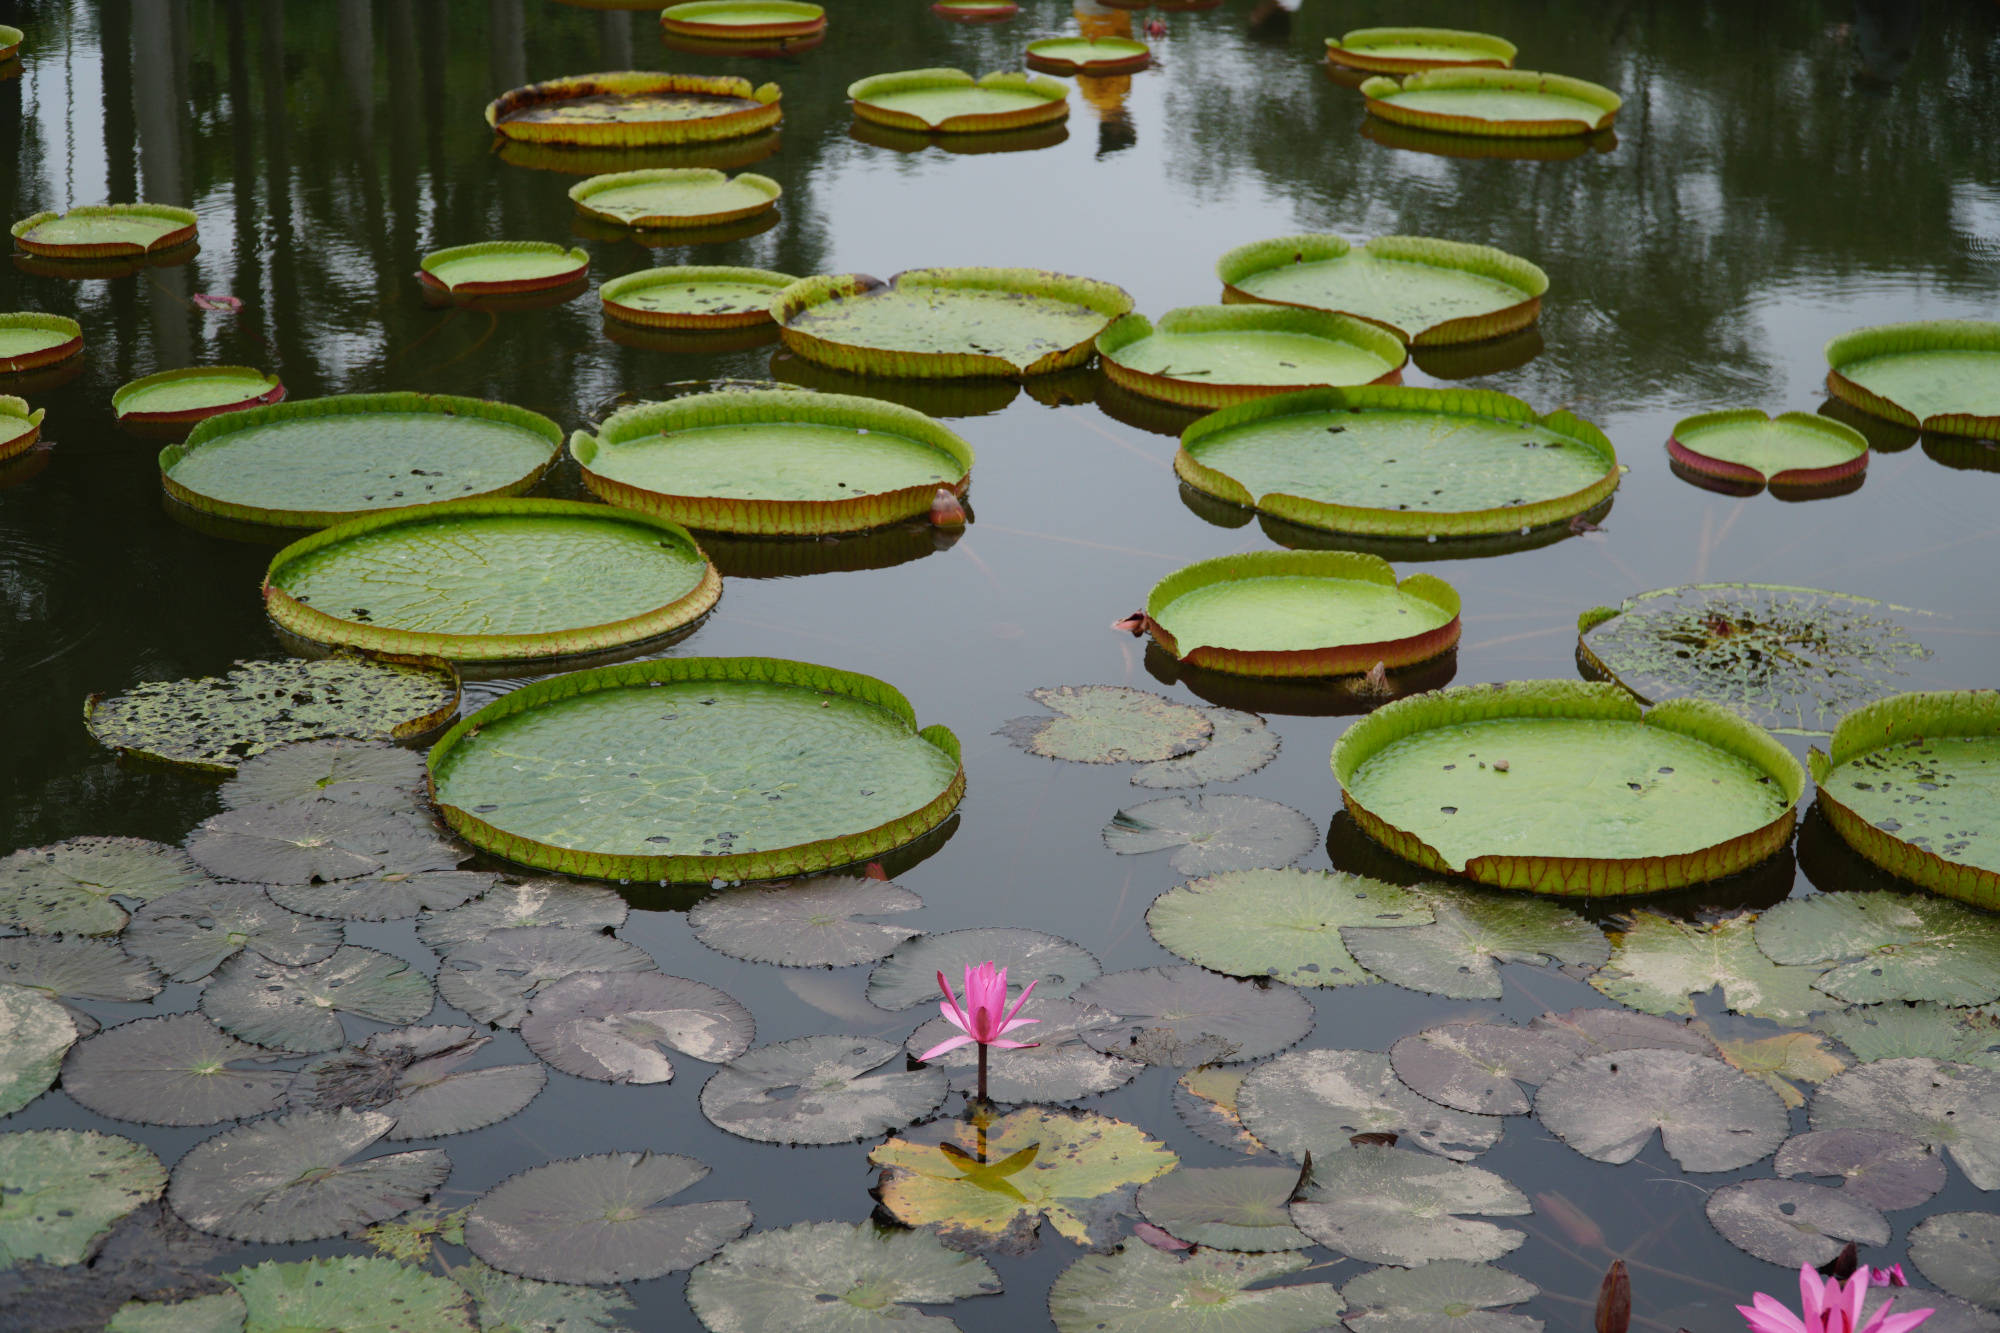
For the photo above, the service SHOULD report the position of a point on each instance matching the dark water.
(1784, 171)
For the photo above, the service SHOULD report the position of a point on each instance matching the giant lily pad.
(1316, 1101)
(952, 101)
(193, 393)
(492, 581)
(349, 1293)
(1406, 50)
(1240, 744)
(1242, 1208)
(509, 1304)
(1058, 1067)
(497, 977)
(601, 1219)
(1493, 103)
(1888, 946)
(775, 462)
(1459, 953)
(1478, 1067)
(632, 108)
(1427, 292)
(1213, 356)
(688, 297)
(412, 1076)
(189, 934)
(1443, 1296)
(35, 1033)
(674, 197)
(1184, 1015)
(725, 767)
(1658, 963)
(1282, 924)
(1951, 1107)
(1710, 1116)
(613, 1025)
(946, 323)
(19, 428)
(825, 1089)
(833, 1276)
(71, 886)
(1096, 57)
(309, 842)
(1937, 375)
(1388, 1206)
(299, 1008)
(511, 905)
(1891, 1031)
(1749, 448)
(100, 231)
(1568, 789)
(352, 772)
(65, 1188)
(991, 1183)
(1789, 1222)
(386, 896)
(76, 969)
(1109, 724)
(178, 1069)
(743, 20)
(499, 268)
(30, 340)
(1961, 1253)
(816, 922)
(1876, 1166)
(316, 461)
(1401, 462)
(214, 723)
(1137, 1289)
(1214, 833)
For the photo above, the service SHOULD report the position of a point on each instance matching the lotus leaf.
(673, 197)
(1472, 933)
(1478, 1067)
(535, 902)
(1658, 963)
(298, 1008)
(1388, 1206)
(1137, 1289)
(76, 969)
(338, 769)
(177, 1069)
(215, 1312)
(694, 297)
(1239, 744)
(1748, 448)
(951, 100)
(1882, 1169)
(91, 231)
(1316, 1101)
(1788, 1222)
(1109, 724)
(1888, 946)
(30, 339)
(833, 1276)
(1282, 924)
(1242, 1208)
(1058, 1067)
(35, 1033)
(1888, 1031)
(634, 108)
(1426, 292)
(1443, 1296)
(617, 1026)
(307, 842)
(806, 923)
(1961, 1253)
(1212, 834)
(1783, 1061)
(909, 975)
(1496, 103)
(1938, 375)
(824, 1089)
(1205, 1099)
(189, 934)
(412, 1075)
(743, 20)
(71, 886)
(509, 1304)
(1952, 1108)
(1710, 1117)
(66, 1188)
(1213, 356)
(351, 1294)
(1184, 1015)
(496, 978)
(1096, 57)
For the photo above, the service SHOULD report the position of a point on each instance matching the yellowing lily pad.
(1213, 356)
(694, 297)
(1942, 375)
(744, 20)
(1403, 50)
(951, 101)
(1427, 292)
(674, 197)
(1093, 56)
(633, 108)
(1496, 103)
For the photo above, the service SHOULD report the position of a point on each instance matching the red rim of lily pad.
(1254, 318)
(10, 41)
(706, 18)
(26, 425)
(1482, 50)
(975, 11)
(1937, 335)
(728, 124)
(63, 335)
(1379, 93)
(619, 291)
(583, 191)
(268, 390)
(1120, 55)
(577, 263)
(1683, 447)
(1054, 104)
(177, 228)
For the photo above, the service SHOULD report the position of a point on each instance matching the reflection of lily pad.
(1882, 1169)
(299, 1008)
(1389, 1206)
(1240, 744)
(35, 1032)
(1888, 946)
(1961, 1253)
(1184, 1016)
(1478, 1067)
(178, 1069)
(909, 975)
(1889, 1031)
(613, 1025)
(1109, 724)
(1493, 103)
(1214, 833)
(1213, 356)
(1243, 1208)
(496, 977)
(509, 1304)
(351, 1294)
(340, 769)
(1459, 953)
(1938, 374)
(833, 1276)
(1282, 924)
(1443, 1296)
(1205, 1100)
(76, 969)
(1059, 1067)
(1710, 1116)
(1749, 448)
(1427, 292)
(65, 1188)
(1137, 1289)
(535, 902)
(825, 1089)
(308, 842)
(70, 886)
(412, 1075)
(1316, 1101)
(189, 934)
(806, 923)
(1658, 962)
(1953, 1108)
(1789, 1222)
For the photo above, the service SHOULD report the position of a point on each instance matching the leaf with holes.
(412, 1075)
(1282, 924)
(178, 1069)
(824, 1089)
(1390, 1206)
(1214, 833)
(1243, 1208)
(1457, 955)
(1790, 1222)
(495, 979)
(534, 902)
(1888, 946)
(65, 1188)
(309, 842)
(189, 934)
(1443, 1296)
(908, 976)
(1478, 1067)
(820, 922)
(1316, 1101)
(35, 1033)
(618, 1026)
(1659, 962)
(1108, 724)
(1880, 1168)
(1059, 1067)
(1138, 1289)
(1953, 1108)
(299, 1008)
(1184, 1015)
(836, 1277)
(1241, 744)
(71, 886)
(1709, 1116)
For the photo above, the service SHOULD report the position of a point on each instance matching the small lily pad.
(299, 1008)
(1750, 448)
(1427, 292)
(35, 1034)
(1961, 1253)
(1658, 963)
(824, 1089)
(65, 1188)
(1888, 946)
(1710, 1117)
(509, 1304)
(384, 897)
(177, 1069)
(1240, 744)
(1882, 1169)
(187, 394)
(952, 101)
(76, 969)
(1953, 1108)
(349, 1293)
(673, 197)
(414, 1237)
(189, 934)
(1242, 1208)
(510, 905)
(1458, 954)
(634, 108)
(1213, 833)
(1282, 924)
(1137, 1289)
(908, 976)
(1443, 1296)
(613, 1026)
(1317, 1101)
(1941, 1032)
(1937, 374)
(495, 979)
(69, 887)
(412, 1076)
(1184, 1015)
(1205, 1100)
(1493, 103)
(310, 842)
(1388, 1206)
(1212, 356)
(807, 923)
(1059, 1067)
(1109, 724)
(1789, 1222)
(601, 1219)
(833, 1276)
(1478, 1067)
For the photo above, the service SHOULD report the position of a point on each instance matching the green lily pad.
(511, 905)
(497, 977)
(1388, 1206)
(71, 886)
(1750, 448)
(1789, 1222)
(412, 1076)
(908, 976)
(1109, 724)
(1214, 833)
(1401, 462)
(1137, 1289)
(952, 101)
(743, 20)
(340, 769)
(1443, 1296)
(824, 1089)
(990, 1183)
(1205, 1100)
(694, 297)
(66, 1188)
(833, 1276)
(1185, 1016)
(1493, 103)
(298, 1008)
(1242, 1208)
(674, 197)
(76, 969)
(1478, 1067)
(30, 339)
(498, 267)
(1938, 375)
(1425, 291)
(384, 897)
(91, 231)
(1239, 744)
(1282, 924)
(1459, 953)
(1961, 1253)
(1658, 963)
(215, 723)
(35, 1034)
(601, 1219)
(309, 842)
(1953, 1108)
(1888, 946)
(1216, 355)
(1710, 1117)
(1316, 1101)
(1891, 1031)
(215, 1312)
(1397, 50)
(20, 429)
(1096, 57)
(634, 108)
(189, 934)
(509, 1304)
(817, 922)
(349, 1294)
(194, 392)
(1882, 1169)
(177, 1069)
(1059, 1067)
(614, 1025)
(414, 1237)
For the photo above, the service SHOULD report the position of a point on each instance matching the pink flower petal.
(948, 1044)
(1002, 1044)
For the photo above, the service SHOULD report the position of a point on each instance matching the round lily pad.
(386, 896)
(674, 197)
(492, 581)
(35, 1033)
(1789, 1222)
(1406, 50)
(1427, 292)
(1401, 462)
(1471, 933)
(948, 323)
(195, 392)
(76, 969)
(299, 1008)
(66, 1188)
(614, 1025)
(1793, 449)
(1478, 1067)
(744, 20)
(601, 1219)
(816, 922)
(825, 1089)
(178, 1069)
(833, 1276)
(496, 977)
(1213, 356)
(1096, 57)
(776, 462)
(1301, 613)
(1443, 1296)
(1606, 1031)
(19, 428)
(950, 101)
(633, 109)
(412, 1076)
(1961, 1253)
(1242, 1208)
(1710, 1117)
(1282, 924)
(1937, 375)
(100, 231)
(1880, 1168)
(1890, 1031)
(1568, 789)
(695, 769)
(1109, 724)
(1183, 1015)
(1493, 103)
(308, 842)
(1316, 1101)
(1137, 1289)
(1887, 946)
(351, 1293)
(30, 339)
(694, 297)
(1239, 744)
(189, 934)
(72, 886)
(1213, 833)
(317, 461)
(536, 902)
(494, 268)
(1658, 963)
(1389, 1206)
(1953, 1108)
(1058, 1067)
(348, 771)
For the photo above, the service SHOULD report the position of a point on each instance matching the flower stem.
(982, 1070)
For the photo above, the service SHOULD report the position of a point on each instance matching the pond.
(1779, 173)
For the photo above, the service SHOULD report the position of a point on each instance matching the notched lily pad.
(1888, 946)
(1214, 833)
(1658, 963)
(1941, 1032)
(384, 897)
(1389, 1206)
(1961, 1253)
(35, 1033)
(1281, 924)
(509, 1304)
(1783, 1061)
(1109, 724)
(1316, 1101)
(352, 772)
(496, 978)
(67, 1187)
(1184, 1015)
(618, 1026)
(1478, 1067)
(1882, 1169)
(1240, 744)
(511, 905)
(824, 1089)
(311, 842)
(830, 1275)
(412, 1076)
(189, 934)
(76, 969)
(908, 976)
(351, 1293)
(1243, 1208)
(1952, 1108)
(71, 886)
(1710, 1116)
(807, 923)
(1137, 1289)
(1059, 1067)
(1205, 1100)
(1790, 1222)
(299, 1008)
(1443, 1296)
(1457, 955)
(177, 1069)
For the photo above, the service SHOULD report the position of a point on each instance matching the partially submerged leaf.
(1888, 946)
(617, 1026)
(350, 1293)
(309, 842)
(1782, 1061)
(833, 1276)
(1961, 1253)
(76, 969)
(189, 934)
(1240, 744)
(1390, 1206)
(1316, 1101)
(509, 1304)
(1138, 1289)
(352, 772)
(1214, 833)
(1657, 962)
(1953, 1108)
(65, 1188)
(1789, 1222)
(1205, 1099)
(1443, 1296)
(1478, 1067)
(35, 1033)
(299, 1008)
(534, 902)
(1283, 924)
(384, 897)
(816, 922)
(177, 1069)
(1109, 724)
(823, 1089)
(496, 978)
(1710, 1117)
(69, 886)
(1184, 1015)
(1243, 1208)
(412, 1076)
(1941, 1032)
(1880, 1168)
(1457, 955)
(908, 976)
(1059, 1067)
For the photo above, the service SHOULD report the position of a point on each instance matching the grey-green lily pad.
(1961, 1253)
(1205, 1100)
(1214, 833)
(349, 1293)
(1390, 1206)
(35, 1033)
(1059, 1067)
(1458, 954)
(817, 922)
(618, 1026)
(1791, 1222)
(1882, 1169)
(214, 1312)
(189, 934)
(1316, 1101)
(1283, 924)
(1951, 1107)
(1108, 724)
(299, 1008)
(413, 1076)
(833, 1276)
(1659, 962)
(1443, 1296)
(299, 1177)
(908, 976)
(67, 1187)
(1243, 1208)
(825, 1089)
(1138, 1289)
(384, 897)
(1710, 1117)
(1184, 1016)
(496, 978)
(1942, 1032)
(307, 842)
(534, 902)
(70, 886)
(149, 1255)
(177, 1069)
(601, 1219)
(77, 969)
(509, 1304)
(351, 772)
(1240, 745)
(1888, 946)
(1478, 1067)
(1602, 1031)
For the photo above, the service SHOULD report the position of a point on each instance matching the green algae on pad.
(497, 267)
(1497, 103)
(634, 109)
(694, 297)
(492, 581)
(1942, 375)
(313, 462)
(948, 323)
(696, 768)
(30, 339)
(20, 429)
(674, 197)
(1401, 462)
(950, 101)
(744, 20)
(1094, 56)
(774, 462)
(1910, 782)
(1427, 292)
(1213, 356)
(1405, 50)
(1301, 613)
(193, 393)
(101, 231)
(1793, 449)
(1566, 788)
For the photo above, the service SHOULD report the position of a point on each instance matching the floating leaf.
(824, 1089)
(1782, 1061)
(1880, 1168)
(1443, 1296)
(1213, 834)
(306, 842)
(35, 1032)
(189, 934)
(1888, 946)
(384, 897)
(1949, 1314)
(1138, 1289)
(1316, 1101)
(601, 1219)
(616, 1026)
(412, 1076)
(1891, 1031)
(1205, 1099)
(76, 969)
(295, 1177)
(349, 772)
(412, 1237)
(1478, 1067)
(1606, 1030)
(1961, 1253)
(1389, 1206)
(1244, 1208)
(1658, 962)
(178, 1069)
(1789, 1222)
(149, 1255)
(1059, 1067)
(1184, 1015)
(1282, 924)
(351, 1294)
(1457, 954)
(299, 1008)
(1109, 724)
(533, 902)
(69, 886)
(807, 923)
(65, 1188)
(990, 1183)
(908, 976)
(215, 1312)
(830, 1275)
(497, 977)
(509, 1304)
(1953, 1108)
(1710, 1117)
(1240, 744)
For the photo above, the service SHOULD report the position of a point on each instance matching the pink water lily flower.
(1826, 1305)
(984, 1017)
